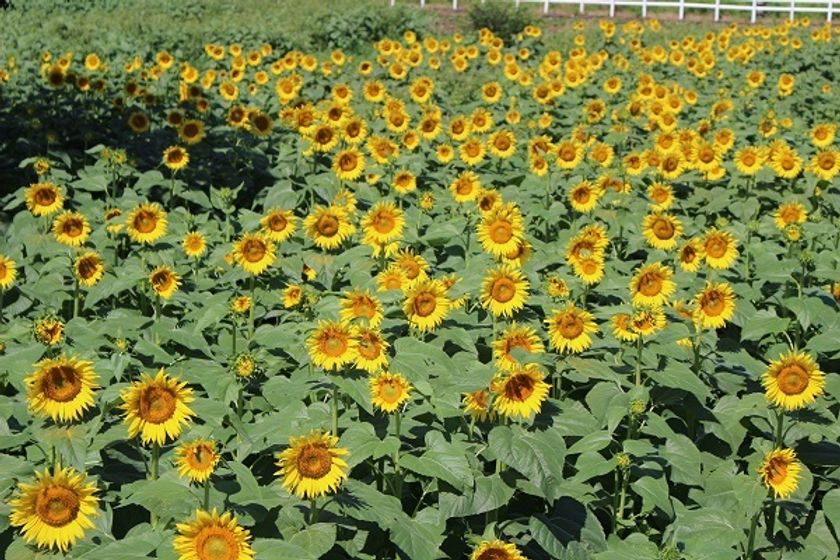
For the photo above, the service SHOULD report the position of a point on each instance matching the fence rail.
(754, 7)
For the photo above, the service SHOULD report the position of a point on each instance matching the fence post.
(392, 3)
(582, 4)
(682, 9)
(828, 13)
(454, 4)
(545, 7)
(754, 11)
(717, 10)
(422, 3)
(612, 8)
(792, 6)
(644, 8)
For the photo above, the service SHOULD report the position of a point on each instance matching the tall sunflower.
(146, 223)
(164, 281)
(720, 249)
(175, 158)
(519, 337)
(521, 392)
(89, 268)
(691, 255)
(157, 407)
(278, 224)
(8, 272)
(370, 350)
(43, 199)
(197, 459)
(211, 536)
(662, 231)
(793, 381)
(389, 390)
(357, 305)
(426, 304)
(71, 228)
(328, 227)
(501, 230)
(504, 290)
(569, 329)
(330, 345)
(780, 472)
(349, 164)
(477, 405)
(313, 465)
(254, 253)
(715, 305)
(652, 285)
(56, 509)
(61, 388)
(383, 223)
(194, 244)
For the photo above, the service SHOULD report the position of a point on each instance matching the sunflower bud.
(623, 460)
(721, 222)
(637, 407)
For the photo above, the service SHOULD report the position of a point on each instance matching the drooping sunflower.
(55, 510)
(477, 405)
(48, 330)
(389, 390)
(501, 230)
(426, 304)
(8, 272)
(569, 329)
(793, 381)
(715, 305)
(194, 244)
(157, 407)
(652, 285)
(278, 224)
(43, 199)
(623, 327)
(71, 228)
(521, 392)
(89, 268)
(254, 253)
(496, 550)
(357, 305)
(61, 388)
(349, 164)
(330, 345)
(662, 231)
(370, 350)
(197, 459)
(175, 158)
(648, 320)
(514, 337)
(720, 249)
(313, 465)
(328, 227)
(780, 472)
(383, 223)
(292, 296)
(504, 290)
(211, 536)
(164, 281)
(691, 255)
(146, 223)
(413, 267)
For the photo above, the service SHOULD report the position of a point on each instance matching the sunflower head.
(175, 158)
(157, 408)
(793, 381)
(197, 459)
(254, 252)
(389, 390)
(496, 550)
(211, 536)
(520, 392)
(194, 244)
(146, 223)
(48, 330)
(8, 272)
(89, 268)
(43, 199)
(164, 281)
(330, 345)
(780, 472)
(61, 388)
(71, 228)
(313, 465)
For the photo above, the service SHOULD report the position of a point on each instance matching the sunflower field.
(570, 294)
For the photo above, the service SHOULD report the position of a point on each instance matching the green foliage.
(358, 28)
(502, 18)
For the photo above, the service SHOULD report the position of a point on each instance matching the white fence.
(755, 7)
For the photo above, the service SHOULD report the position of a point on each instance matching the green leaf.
(654, 493)
(316, 539)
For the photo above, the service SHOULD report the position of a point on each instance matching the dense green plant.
(359, 27)
(502, 18)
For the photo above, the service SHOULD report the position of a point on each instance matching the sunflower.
(43, 199)
(476, 404)
(652, 285)
(48, 330)
(648, 320)
(715, 305)
(71, 228)
(212, 537)
(254, 252)
(197, 459)
(358, 305)
(426, 304)
(466, 187)
(292, 296)
(61, 388)
(780, 472)
(194, 244)
(349, 164)
(240, 305)
(278, 224)
(157, 407)
(793, 381)
(146, 223)
(569, 329)
(413, 267)
(749, 160)
(330, 345)
(504, 290)
(661, 196)
(515, 337)
(789, 213)
(501, 230)
(622, 324)
(404, 182)
(370, 350)
(691, 255)
(175, 158)
(55, 510)
(164, 281)
(89, 268)
(313, 466)
(8, 272)
(383, 223)
(521, 392)
(502, 144)
(662, 231)
(389, 390)
(719, 248)
(328, 227)
(584, 196)
(191, 132)
(825, 164)
(496, 550)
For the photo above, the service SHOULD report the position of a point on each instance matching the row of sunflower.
(463, 288)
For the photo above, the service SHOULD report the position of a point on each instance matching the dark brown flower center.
(157, 404)
(57, 506)
(792, 379)
(314, 461)
(61, 383)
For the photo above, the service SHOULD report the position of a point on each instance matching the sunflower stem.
(233, 336)
(2, 303)
(253, 284)
(751, 539)
(313, 511)
(207, 494)
(156, 304)
(778, 443)
(153, 474)
(625, 479)
(334, 409)
(76, 298)
(398, 426)
(639, 346)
